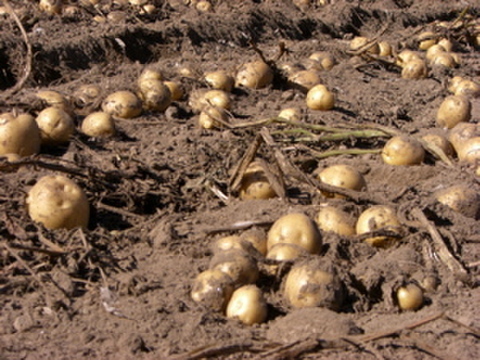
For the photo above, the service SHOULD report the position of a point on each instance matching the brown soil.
(121, 288)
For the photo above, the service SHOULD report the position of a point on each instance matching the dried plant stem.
(329, 153)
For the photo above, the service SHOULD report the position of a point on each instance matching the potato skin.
(58, 202)
(19, 135)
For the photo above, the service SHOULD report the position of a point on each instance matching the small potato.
(343, 176)
(56, 125)
(212, 117)
(201, 99)
(447, 44)
(123, 104)
(283, 252)
(426, 39)
(414, 69)
(254, 75)
(460, 198)
(453, 83)
(375, 218)
(234, 242)
(255, 184)
(326, 59)
(453, 110)
(410, 297)
(248, 305)
(290, 114)
(55, 99)
(443, 59)
(403, 150)
(150, 72)
(87, 95)
(19, 135)
(359, 42)
(304, 80)
(219, 80)
(434, 51)
(155, 95)
(238, 264)
(295, 228)
(58, 202)
(320, 98)
(98, 124)
(406, 56)
(332, 219)
(258, 239)
(385, 49)
(212, 289)
(313, 283)
(176, 90)
(52, 7)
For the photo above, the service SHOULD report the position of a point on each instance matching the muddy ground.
(121, 288)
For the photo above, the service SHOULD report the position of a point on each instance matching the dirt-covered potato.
(123, 104)
(331, 218)
(155, 95)
(375, 218)
(238, 264)
(19, 134)
(213, 289)
(212, 117)
(295, 228)
(219, 80)
(470, 151)
(313, 283)
(461, 198)
(98, 124)
(226, 243)
(56, 125)
(176, 90)
(304, 80)
(320, 98)
(55, 99)
(439, 141)
(257, 237)
(58, 202)
(255, 184)
(254, 75)
(248, 305)
(414, 69)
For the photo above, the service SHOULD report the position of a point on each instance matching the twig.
(29, 56)
(329, 153)
(116, 210)
(442, 250)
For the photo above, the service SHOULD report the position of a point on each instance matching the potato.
(19, 134)
(467, 88)
(283, 252)
(470, 151)
(343, 176)
(98, 124)
(55, 99)
(439, 141)
(256, 237)
(234, 242)
(176, 90)
(313, 283)
(87, 95)
(155, 95)
(123, 104)
(460, 198)
(201, 99)
(444, 59)
(403, 150)
(212, 289)
(326, 59)
(290, 114)
(56, 126)
(426, 39)
(255, 184)
(295, 228)
(254, 75)
(454, 109)
(304, 80)
(219, 80)
(58, 202)
(248, 305)
(52, 7)
(359, 42)
(385, 49)
(150, 72)
(320, 98)
(453, 83)
(375, 218)
(414, 69)
(446, 43)
(332, 219)
(406, 56)
(410, 297)
(238, 264)
(212, 117)
(434, 51)
(461, 132)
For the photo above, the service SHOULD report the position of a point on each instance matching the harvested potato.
(254, 75)
(219, 80)
(460, 198)
(248, 305)
(19, 134)
(320, 98)
(330, 218)
(255, 184)
(295, 228)
(410, 297)
(213, 289)
(98, 124)
(375, 218)
(123, 104)
(403, 150)
(56, 125)
(238, 264)
(58, 202)
(453, 110)
(343, 176)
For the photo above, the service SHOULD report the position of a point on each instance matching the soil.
(161, 190)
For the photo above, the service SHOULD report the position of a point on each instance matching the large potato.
(58, 202)
(298, 229)
(19, 135)
(56, 125)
